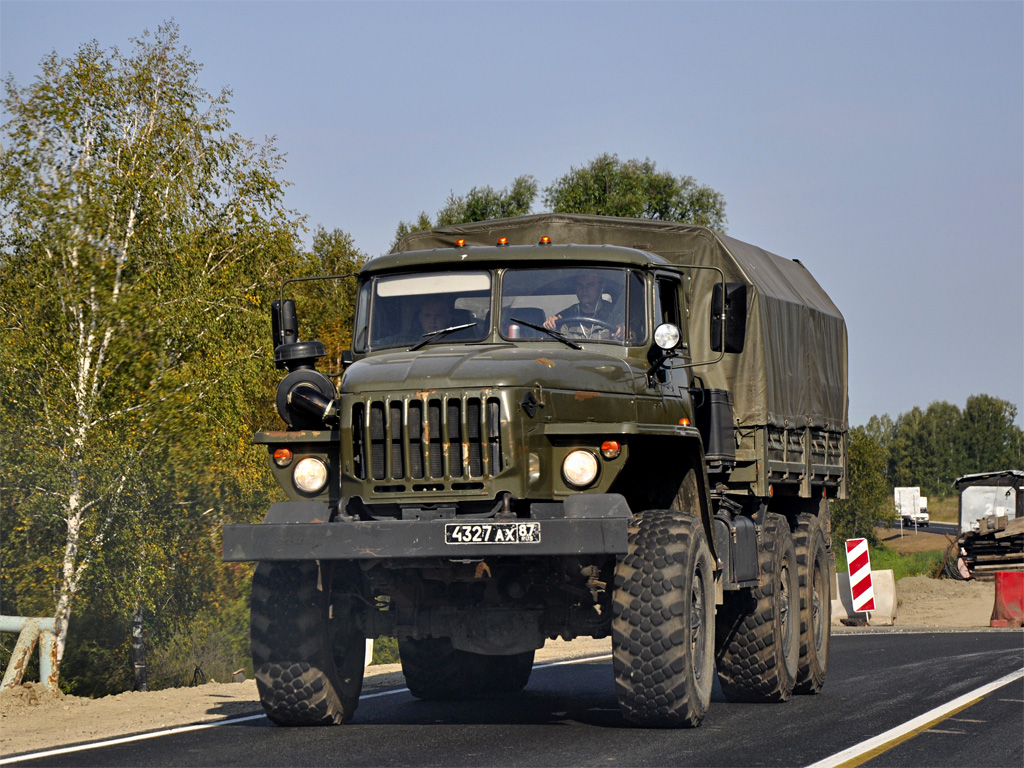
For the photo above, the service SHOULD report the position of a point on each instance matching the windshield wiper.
(553, 334)
(429, 337)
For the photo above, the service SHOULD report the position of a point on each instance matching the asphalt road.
(568, 716)
(950, 529)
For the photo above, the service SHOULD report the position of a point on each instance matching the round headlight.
(580, 468)
(666, 336)
(310, 475)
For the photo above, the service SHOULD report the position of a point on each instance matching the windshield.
(581, 303)
(540, 304)
(980, 501)
(401, 311)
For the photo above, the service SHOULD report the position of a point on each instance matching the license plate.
(492, 533)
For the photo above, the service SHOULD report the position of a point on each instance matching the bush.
(210, 646)
(385, 651)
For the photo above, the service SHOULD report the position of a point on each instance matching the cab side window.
(666, 302)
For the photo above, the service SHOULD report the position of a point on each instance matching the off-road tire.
(435, 671)
(663, 622)
(815, 604)
(503, 675)
(309, 669)
(758, 630)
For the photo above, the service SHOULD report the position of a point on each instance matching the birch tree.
(140, 238)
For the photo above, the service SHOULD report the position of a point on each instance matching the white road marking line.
(127, 739)
(230, 721)
(866, 750)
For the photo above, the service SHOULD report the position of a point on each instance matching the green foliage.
(327, 307)
(142, 244)
(991, 439)
(605, 186)
(210, 645)
(870, 495)
(385, 651)
(479, 204)
(883, 558)
(609, 187)
(931, 448)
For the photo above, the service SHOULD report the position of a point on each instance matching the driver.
(591, 304)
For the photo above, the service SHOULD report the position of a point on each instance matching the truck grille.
(435, 439)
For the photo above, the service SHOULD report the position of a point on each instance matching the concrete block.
(883, 583)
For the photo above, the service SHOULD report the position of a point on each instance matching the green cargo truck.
(556, 426)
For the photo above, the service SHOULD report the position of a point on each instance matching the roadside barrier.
(1008, 610)
(860, 575)
(30, 631)
(884, 613)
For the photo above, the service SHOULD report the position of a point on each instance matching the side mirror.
(734, 314)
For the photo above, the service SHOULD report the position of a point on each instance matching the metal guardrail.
(31, 630)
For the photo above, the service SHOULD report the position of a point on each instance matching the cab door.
(672, 380)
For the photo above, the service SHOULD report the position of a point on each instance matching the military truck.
(618, 427)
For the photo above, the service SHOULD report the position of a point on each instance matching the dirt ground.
(33, 719)
(909, 541)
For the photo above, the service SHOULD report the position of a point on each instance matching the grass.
(945, 510)
(885, 559)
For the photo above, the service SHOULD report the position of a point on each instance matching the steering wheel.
(587, 320)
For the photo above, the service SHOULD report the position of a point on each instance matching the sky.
(881, 144)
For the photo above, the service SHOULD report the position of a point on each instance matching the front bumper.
(590, 525)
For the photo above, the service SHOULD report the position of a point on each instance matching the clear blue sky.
(882, 144)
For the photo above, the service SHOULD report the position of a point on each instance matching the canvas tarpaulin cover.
(792, 371)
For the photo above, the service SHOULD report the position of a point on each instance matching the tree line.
(143, 241)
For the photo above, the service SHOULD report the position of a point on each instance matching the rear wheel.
(758, 630)
(309, 668)
(815, 604)
(663, 622)
(434, 670)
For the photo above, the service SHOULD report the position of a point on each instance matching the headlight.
(667, 336)
(310, 475)
(580, 468)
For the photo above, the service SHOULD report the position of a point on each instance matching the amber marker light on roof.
(545, 240)
(502, 241)
(460, 243)
(684, 422)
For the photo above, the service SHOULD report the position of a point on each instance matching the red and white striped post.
(860, 575)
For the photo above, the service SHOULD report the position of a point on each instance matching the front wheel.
(663, 613)
(309, 667)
